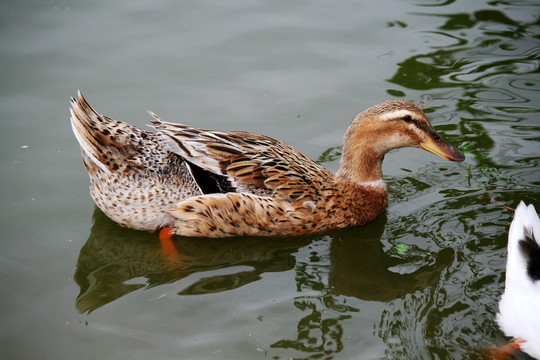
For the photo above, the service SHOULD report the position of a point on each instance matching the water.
(422, 282)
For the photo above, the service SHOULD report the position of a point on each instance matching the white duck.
(519, 307)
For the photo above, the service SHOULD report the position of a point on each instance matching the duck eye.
(407, 118)
(436, 137)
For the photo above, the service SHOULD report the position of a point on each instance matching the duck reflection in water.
(113, 255)
(361, 268)
(357, 267)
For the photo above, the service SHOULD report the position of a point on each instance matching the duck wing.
(250, 162)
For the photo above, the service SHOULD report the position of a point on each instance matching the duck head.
(386, 126)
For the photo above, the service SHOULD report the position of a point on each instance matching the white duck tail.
(519, 308)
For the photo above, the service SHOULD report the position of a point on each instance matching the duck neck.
(360, 163)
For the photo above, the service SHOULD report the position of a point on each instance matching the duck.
(209, 183)
(519, 306)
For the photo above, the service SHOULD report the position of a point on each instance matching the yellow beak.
(437, 145)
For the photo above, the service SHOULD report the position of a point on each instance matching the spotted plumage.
(217, 184)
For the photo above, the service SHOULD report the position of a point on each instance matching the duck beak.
(437, 145)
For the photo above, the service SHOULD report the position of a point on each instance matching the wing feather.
(256, 163)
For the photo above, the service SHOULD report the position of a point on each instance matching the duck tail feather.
(103, 140)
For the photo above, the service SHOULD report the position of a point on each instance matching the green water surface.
(422, 282)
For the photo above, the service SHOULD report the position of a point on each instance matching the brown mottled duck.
(210, 183)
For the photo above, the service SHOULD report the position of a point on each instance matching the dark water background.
(422, 282)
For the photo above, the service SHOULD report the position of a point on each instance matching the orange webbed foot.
(167, 246)
(506, 351)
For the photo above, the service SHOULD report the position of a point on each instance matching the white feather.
(519, 308)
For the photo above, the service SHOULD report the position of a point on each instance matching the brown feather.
(218, 184)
